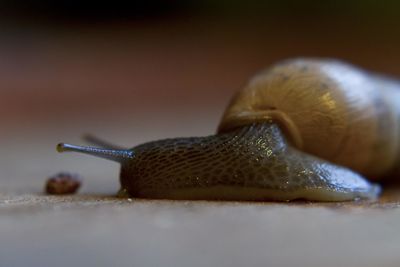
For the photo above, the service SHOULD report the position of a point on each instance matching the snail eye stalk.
(118, 155)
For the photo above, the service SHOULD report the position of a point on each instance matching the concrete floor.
(88, 230)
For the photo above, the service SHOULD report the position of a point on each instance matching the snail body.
(302, 129)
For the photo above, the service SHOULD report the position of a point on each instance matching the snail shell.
(326, 108)
(304, 128)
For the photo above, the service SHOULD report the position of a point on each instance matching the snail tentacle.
(111, 154)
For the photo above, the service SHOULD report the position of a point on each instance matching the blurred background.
(152, 69)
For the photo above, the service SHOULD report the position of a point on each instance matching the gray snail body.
(302, 129)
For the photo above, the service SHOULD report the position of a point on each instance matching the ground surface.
(88, 230)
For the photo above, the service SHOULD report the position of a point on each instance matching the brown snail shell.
(326, 108)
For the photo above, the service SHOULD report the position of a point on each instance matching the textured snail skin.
(251, 163)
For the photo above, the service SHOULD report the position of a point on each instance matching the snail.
(313, 129)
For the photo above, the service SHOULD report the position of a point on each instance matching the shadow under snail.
(302, 129)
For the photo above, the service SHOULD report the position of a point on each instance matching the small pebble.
(63, 183)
